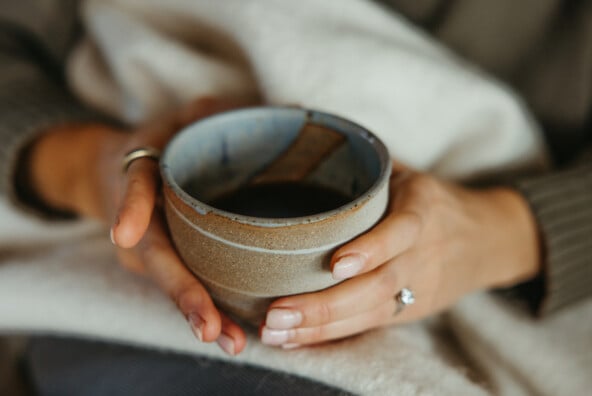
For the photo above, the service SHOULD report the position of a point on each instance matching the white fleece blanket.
(64, 279)
(349, 57)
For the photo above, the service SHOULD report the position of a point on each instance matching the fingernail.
(226, 343)
(290, 346)
(274, 337)
(278, 318)
(348, 266)
(197, 324)
(111, 236)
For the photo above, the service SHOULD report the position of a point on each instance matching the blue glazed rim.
(352, 127)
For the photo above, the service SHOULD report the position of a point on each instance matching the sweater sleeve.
(562, 205)
(35, 38)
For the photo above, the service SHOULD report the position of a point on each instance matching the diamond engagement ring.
(140, 152)
(403, 298)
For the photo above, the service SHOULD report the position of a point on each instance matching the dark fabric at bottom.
(63, 367)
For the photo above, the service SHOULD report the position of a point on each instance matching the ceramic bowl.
(247, 261)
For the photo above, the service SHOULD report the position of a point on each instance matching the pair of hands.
(439, 239)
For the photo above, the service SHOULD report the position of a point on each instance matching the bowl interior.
(225, 152)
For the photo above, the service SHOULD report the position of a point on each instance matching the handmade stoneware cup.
(247, 260)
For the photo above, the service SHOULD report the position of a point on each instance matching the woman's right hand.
(438, 239)
(79, 168)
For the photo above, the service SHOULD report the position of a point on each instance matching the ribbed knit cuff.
(562, 205)
(28, 106)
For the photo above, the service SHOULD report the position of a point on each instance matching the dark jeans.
(64, 367)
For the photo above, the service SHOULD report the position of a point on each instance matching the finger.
(391, 237)
(164, 266)
(201, 108)
(398, 177)
(137, 204)
(158, 131)
(331, 331)
(347, 299)
(232, 338)
(207, 106)
(387, 313)
(399, 167)
(130, 260)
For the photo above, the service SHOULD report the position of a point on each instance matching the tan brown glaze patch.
(312, 146)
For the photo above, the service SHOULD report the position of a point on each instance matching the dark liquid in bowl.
(277, 200)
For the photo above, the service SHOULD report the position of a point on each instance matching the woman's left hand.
(438, 239)
(80, 168)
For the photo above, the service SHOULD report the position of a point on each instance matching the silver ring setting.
(404, 298)
(140, 152)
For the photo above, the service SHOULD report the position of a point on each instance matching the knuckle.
(152, 251)
(124, 261)
(128, 261)
(207, 102)
(127, 264)
(439, 249)
(134, 183)
(427, 186)
(203, 106)
(323, 312)
(386, 281)
(184, 297)
(384, 315)
(423, 182)
(317, 334)
(412, 223)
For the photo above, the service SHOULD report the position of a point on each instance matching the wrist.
(516, 245)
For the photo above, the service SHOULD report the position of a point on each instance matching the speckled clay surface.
(245, 261)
